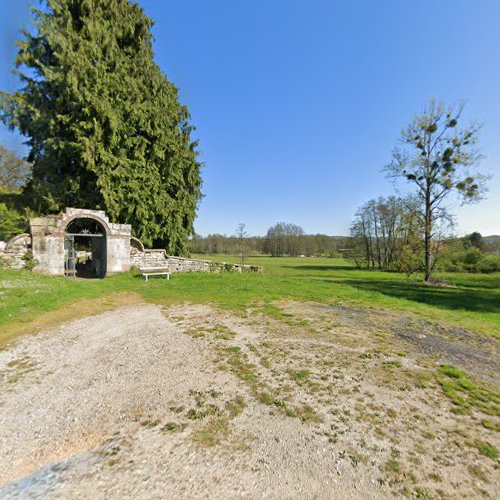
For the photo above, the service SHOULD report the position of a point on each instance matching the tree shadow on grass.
(444, 297)
(475, 281)
(321, 268)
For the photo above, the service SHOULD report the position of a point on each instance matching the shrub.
(11, 222)
(489, 264)
(471, 257)
(450, 266)
(29, 261)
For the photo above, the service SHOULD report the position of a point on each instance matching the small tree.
(474, 239)
(437, 156)
(14, 171)
(241, 234)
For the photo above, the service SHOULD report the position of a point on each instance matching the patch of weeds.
(428, 435)
(176, 409)
(366, 355)
(195, 414)
(266, 398)
(269, 400)
(394, 363)
(355, 457)
(19, 368)
(196, 333)
(492, 426)
(423, 380)
(299, 375)
(198, 396)
(252, 348)
(460, 432)
(393, 466)
(111, 452)
(239, 365)
(464, 394)
(235, 406)
(305, 413)
(211, 433)
(435, 477)
(420, 449)
(203, 411)
(220, 332)
(149, 424)
(422, 494)
(476, 471)
(314, 386)
(391, 413)
(486, 449)
(264, 361)
(172, 428)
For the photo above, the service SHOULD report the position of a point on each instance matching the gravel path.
(191, 402)
(81, 414)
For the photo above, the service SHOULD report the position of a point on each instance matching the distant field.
(471, 301)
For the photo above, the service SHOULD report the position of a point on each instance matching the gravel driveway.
(142, 402)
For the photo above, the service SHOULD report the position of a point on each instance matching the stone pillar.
(47, 243)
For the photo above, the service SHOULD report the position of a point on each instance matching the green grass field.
(471, 301)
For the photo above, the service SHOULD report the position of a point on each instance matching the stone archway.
(51, 247)
(85, 248)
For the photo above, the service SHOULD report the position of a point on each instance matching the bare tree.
(383, 233)
(241, 234)
(438, 156)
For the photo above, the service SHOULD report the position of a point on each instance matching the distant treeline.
(384, 235)
(281, 239)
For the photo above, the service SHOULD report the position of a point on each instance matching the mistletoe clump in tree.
(438, 156)
(104, 124)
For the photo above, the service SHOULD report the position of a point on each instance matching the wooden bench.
(154, 271)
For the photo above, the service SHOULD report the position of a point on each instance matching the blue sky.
(299, 103)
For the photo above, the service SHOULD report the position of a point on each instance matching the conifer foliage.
(104, 125)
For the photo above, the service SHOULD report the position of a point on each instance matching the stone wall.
(12, 253)
(159, 258)
(46, 242)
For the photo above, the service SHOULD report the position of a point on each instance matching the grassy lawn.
(471, 301)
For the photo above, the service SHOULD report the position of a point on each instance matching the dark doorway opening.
(85, 249)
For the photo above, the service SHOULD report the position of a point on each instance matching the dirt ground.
(192, 402)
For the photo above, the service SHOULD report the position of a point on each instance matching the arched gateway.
(80, 242)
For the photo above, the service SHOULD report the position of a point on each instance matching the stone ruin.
(81, 242)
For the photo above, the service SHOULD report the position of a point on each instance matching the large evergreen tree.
(104, 124)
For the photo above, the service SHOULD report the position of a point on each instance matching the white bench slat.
(154, 271)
